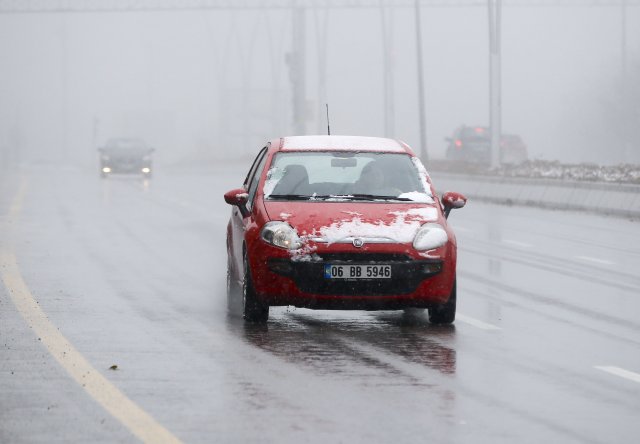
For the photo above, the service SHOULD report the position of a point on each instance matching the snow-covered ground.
(623, 173)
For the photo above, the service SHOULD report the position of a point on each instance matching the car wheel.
(444, 313)
(253, 309)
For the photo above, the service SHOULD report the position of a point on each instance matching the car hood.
(337, 222)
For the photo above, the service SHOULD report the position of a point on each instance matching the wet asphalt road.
(546, 347)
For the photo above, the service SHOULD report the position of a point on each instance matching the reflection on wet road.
(132, 273)
(339, 346)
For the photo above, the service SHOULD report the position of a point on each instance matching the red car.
(340, 222)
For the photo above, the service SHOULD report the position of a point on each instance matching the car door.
(238, 221)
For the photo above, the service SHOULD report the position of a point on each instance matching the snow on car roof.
(347, 143)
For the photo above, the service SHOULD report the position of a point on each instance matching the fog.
(335, 297)
(206, 85)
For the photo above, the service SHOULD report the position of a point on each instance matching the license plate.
(357, 271)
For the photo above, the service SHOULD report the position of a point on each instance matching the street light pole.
(624, 99)
(321, 26)
(298, 69)
(423, 125)
(495, 87)
(386, 16)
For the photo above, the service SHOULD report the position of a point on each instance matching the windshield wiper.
(289, 196)
(376, 197)
(336, 196)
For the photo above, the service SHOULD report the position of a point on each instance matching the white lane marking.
(516, 243)
(617, 371)
(476, 323)
(595, 260)
(400, 363)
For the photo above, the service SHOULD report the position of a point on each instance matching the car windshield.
(339, 176)
(476, 134)
(126, 146)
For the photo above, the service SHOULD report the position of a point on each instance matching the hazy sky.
(212, 84)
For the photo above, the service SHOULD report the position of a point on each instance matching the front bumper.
(126, 167)
(415, 282)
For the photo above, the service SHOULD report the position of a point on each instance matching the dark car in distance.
(125, 156)
(472, 144)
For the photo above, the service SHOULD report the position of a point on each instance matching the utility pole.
(95, 132)
(386, 15)
(495, 87)
(424, 155)
(64, 89)
(321, 27)
(298, 69)
(624, 90)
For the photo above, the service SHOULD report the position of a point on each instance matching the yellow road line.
(136, 420)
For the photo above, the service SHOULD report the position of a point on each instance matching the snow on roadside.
(542, 169)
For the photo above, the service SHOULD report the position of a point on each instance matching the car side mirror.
(238, 198)
(451, 200)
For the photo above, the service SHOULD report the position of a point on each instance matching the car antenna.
(328, 126)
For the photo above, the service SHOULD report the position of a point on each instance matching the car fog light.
(146, 170)
(281, 267)
(106, 170)
(433, 268)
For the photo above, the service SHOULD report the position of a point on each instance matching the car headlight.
(281, 234)
(430, 236)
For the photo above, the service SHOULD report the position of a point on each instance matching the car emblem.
(358, 243)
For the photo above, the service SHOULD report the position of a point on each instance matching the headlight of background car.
(281, 235)
(430, 236)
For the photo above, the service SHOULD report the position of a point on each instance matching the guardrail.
(605, 198)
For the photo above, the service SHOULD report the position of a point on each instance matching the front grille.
(365, 257)
(406, 274)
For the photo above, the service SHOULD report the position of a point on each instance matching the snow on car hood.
(341, 222)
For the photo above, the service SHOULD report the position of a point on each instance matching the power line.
(81, 6)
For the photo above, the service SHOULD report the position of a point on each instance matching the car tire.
(444, 313)
(253, 309)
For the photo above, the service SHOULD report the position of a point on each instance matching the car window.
(475, 134)
(118, 151)
(253, 167)
(331, 174)
(255, 178)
